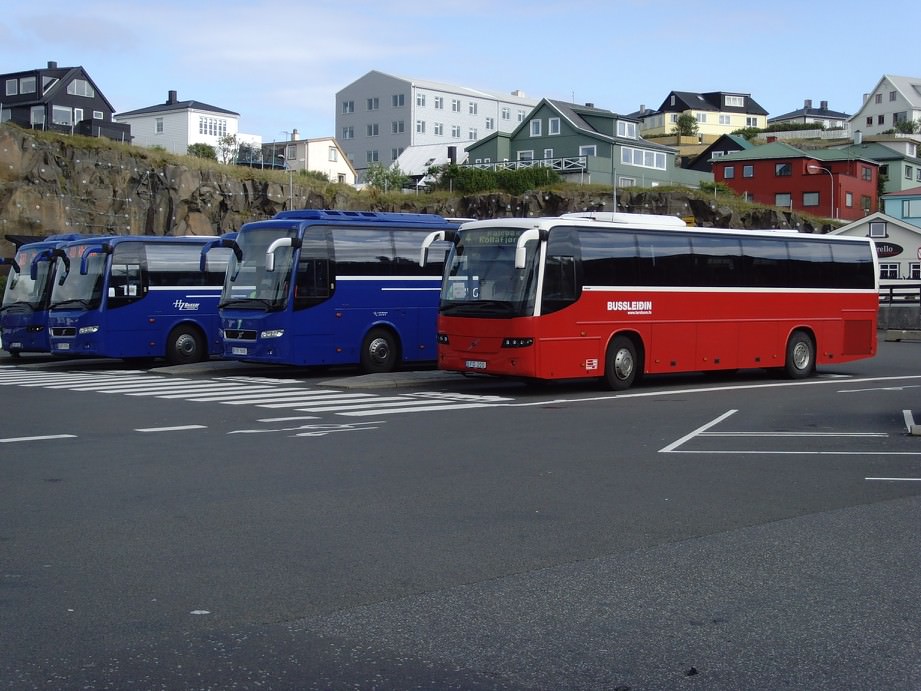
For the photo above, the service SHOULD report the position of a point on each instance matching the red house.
(827, 182)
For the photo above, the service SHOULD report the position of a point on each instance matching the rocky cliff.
(58, 184)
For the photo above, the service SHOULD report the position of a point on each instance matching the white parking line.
(178, 428)
(10, 440)
(700, 430)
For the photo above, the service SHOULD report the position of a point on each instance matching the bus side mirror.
(277, 244)
(64, 260)
(427, 242)
(521, 252)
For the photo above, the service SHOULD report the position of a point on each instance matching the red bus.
(618, 296)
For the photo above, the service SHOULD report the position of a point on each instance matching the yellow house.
(717, 113)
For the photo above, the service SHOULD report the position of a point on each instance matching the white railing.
(568, 164)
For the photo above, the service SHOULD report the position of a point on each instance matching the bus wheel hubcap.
(379, 349)
(185, 344)
(801, 356)
(623, 364)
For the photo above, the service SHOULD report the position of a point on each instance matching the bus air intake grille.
(63, 331)
(240, 334)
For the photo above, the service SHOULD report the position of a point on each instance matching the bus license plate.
(475, 364)
(62, 346)
(238, 351)
(15, 345)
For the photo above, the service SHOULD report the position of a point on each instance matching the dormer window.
(626, 129)
(735, 101)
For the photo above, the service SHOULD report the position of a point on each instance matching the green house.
(584, 144)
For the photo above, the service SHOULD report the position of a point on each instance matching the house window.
(395, 154)
(729, 172)
(626, 182)
(490, 123)
(12, 87)
(548, 153)
(553, 126)
(892, 95)
(97, 115)
(79, 87)
(869, 121)
(158, 126)
(626, 129)
(472, 107)
(420, 100)
(701, 117)
(865, 203)
(373, 156)
(525, 155)
(881, 119)
(783, 169)
(878, 229)
(348, 132)
(908, 173)
(725, 119)
(27, 85)
(521, 115)
(535, 128)
(455, 131)
(588, 150)
(439, 103)
(37, 115)
(472, 134)
(914, 271)
(735, 101)
(784, 200)
(397, 127)
(866, 173)
(439, 129)
(61, 115)
(810, 198)
(373, 129)
(5, 115)
(748, 171)
(333, 154)
(398, 100)
(455, 105)
(751, 122)
(506, 113)
(911, 208)
(642, 157)
(889, 270)
(420, 126)
(374, 103)
(878, 98)
(348, 106)
(849, 199)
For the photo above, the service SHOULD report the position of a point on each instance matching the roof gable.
(173, 105)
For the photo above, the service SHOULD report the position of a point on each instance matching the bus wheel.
(379, 351)
(800, 362)
(185, 346)
(622, 363)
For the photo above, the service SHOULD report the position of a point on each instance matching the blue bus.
(24, 311)
(137, 297)
(324, 287)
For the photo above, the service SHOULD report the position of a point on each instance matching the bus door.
(313, 317)
(126, 315)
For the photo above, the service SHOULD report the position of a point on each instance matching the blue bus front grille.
(240, 334)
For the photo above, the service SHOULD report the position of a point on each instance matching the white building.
(320, 155)
(175, 125)
(894, 100)
(379, 116)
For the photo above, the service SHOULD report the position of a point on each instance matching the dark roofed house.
(716, 112)
(62, 99)
(175, 125)
(808, 114)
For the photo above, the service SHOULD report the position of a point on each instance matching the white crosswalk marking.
(259, 392)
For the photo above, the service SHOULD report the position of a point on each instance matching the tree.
(202, 151)
(383, 178)
(686, 125)
(227, 147)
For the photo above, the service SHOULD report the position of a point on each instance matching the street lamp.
(813, 168)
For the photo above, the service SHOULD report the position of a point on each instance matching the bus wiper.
(478, 306)
(79, 301)
(18, 303)
(252, 302)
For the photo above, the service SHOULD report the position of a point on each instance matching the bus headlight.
(517, 342)
(272, 333)
(88, 330)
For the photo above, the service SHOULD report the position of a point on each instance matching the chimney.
(807, 104)
(518, 93)
(589, 105)
(824, 105)
(294, 135)
(642, 107)
(858, 138)
(866, 97)
(171, 98)
(52, 65)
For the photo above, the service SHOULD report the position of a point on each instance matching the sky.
(279, 63)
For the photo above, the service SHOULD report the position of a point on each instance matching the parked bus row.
(610, 296)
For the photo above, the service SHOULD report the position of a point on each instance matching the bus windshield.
(247, 283)
(481, 278)
(21, 290)
(75, 289)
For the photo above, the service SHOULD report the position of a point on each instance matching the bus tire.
(622, 363)
(379, 351)
(185, 345)
(800, 359)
